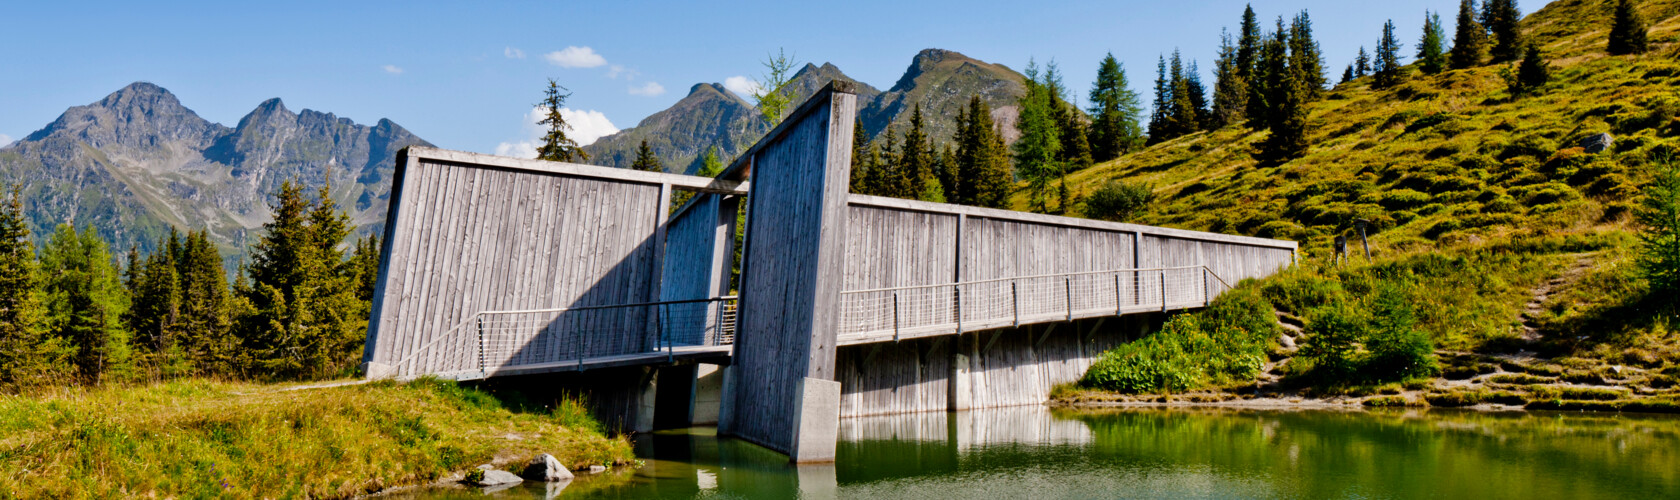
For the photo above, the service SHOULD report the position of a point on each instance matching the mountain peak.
(141, 96)
(935, 55)
(702, 87)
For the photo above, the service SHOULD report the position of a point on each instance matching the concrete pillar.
(646, 403)
(958, 383)
(817, 423)
(708, 393)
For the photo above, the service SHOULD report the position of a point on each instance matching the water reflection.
(1033, 452)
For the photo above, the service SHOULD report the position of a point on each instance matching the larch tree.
(1388, 69)
(1469, 38)
(646, 161)
(772, 95)
(1431, 55)
(556, 145)
(1114, 112)
(85, 304)
(1627, 30)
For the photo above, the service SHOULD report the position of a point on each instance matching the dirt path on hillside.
(1536, 306)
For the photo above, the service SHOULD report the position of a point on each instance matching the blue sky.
(465, 74)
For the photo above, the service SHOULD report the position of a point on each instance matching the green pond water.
(1035, 452)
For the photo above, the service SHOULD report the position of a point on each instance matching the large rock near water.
(546, 468)
(499, 477)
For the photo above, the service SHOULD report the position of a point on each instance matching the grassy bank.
(212, 439)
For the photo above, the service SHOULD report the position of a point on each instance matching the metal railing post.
(895, 316)
(1015, 302)
(1067, 287)
(481, 343)
(956, 290)
(1207, 294)
(1117, 301)
(1163, 290)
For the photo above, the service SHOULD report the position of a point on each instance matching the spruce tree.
(1229, 89)
(1271, 70)
(1362, 64)
(155, 310)
(1198, 96)
(1114, 109)
(1248, 46)
(1347, 74)
(646, 161)
(1532, 73)
(85, 304)
(982, 161)
(1431, 55)
(1627, 30)
(860, 159)
(306, 320)
(1388, 70)
(1160, 112)
(1184, 116)
(891, 179)
(1469, 38)
(28, 356)
(1070, 122)
(1288, 124)
(916, 162)
(1305, 59)
(1039, 146)
(556, 145)
(1503, 21)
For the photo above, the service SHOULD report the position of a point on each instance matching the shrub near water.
(1224, 344)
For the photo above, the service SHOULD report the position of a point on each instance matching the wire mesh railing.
(913, 311)
(491, 340)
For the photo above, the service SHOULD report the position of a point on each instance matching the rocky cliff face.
(137, 162)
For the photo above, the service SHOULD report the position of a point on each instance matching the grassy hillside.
(1494, 233)
(200, 439)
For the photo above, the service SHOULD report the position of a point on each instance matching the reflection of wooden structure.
(849, 304)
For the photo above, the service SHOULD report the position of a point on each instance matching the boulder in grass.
(1597, 143)
(546, 468)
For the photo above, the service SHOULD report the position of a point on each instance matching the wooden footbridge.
(847, 304)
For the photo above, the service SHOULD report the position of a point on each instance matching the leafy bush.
(1119, 201)
(1225, 343)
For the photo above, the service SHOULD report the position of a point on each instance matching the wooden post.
(1163, 290)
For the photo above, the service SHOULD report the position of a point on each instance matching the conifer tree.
(772, 97)
(916, 162)
(1388, 70)
(646, 161)
(557, 146)
(1070, 122)
(860, 158)
(982, 162)
(1503, 19)
(155, 309)
(1271, 70)
(1362, 64)
(1198, 96)
(1347, 74)
(710, 165)
(1248, 47)
(1469, 38)
(1305, 59)
(85, 304)
(1183, 116)
(892, 180)
(365, 261)
(28, 356)
(1114, 110)
(1039, 146)
(1627, 30)
(1431, 55)
(1532, 73)
(1229, 89)
(1160, 112)
(306, 320)
(1288, 122)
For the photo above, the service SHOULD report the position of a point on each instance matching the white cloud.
(392, 69)
(650, 89)
(576, 57)
(513, 53)
(616, 71)
(4, 140)
(740, 85)
(587, 126)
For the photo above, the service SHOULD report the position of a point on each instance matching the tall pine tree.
(1198, 96)
(982, 162)
(1183, 115)
(860, 177)
(306, 321)
(556, 145)
(1362, 64)
(1627, 30)
(1388, 70)
(1469, 38)
(1230, 92)
(1039, 146)
(1305, 59)
(1272, 70)
(1160, 112)
(1114, 111)
(85, 304)
(29, 357)
(1431, 55)
(1248, 47)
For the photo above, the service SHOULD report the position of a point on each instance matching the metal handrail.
(1018, 278)
(724, 298)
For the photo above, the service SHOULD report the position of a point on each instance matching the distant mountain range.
(137, 162)
(940, 80)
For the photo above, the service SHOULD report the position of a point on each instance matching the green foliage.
(1627, 30)
(1504, 24)
(85, 302)
(1387, 68)
(981, 161)
(1221, 345)
(1432, 55)
(556, 145)
(306, 318)
(1469, 38)
(772, 96)
(1305, 58)
(29, 357)
(646, 161)
(1659, 213)
(1119, 201)
(1532, 73)
(1115, 109)
(1230, 90)
(1039, 147)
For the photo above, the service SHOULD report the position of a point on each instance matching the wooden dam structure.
(847, 305)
